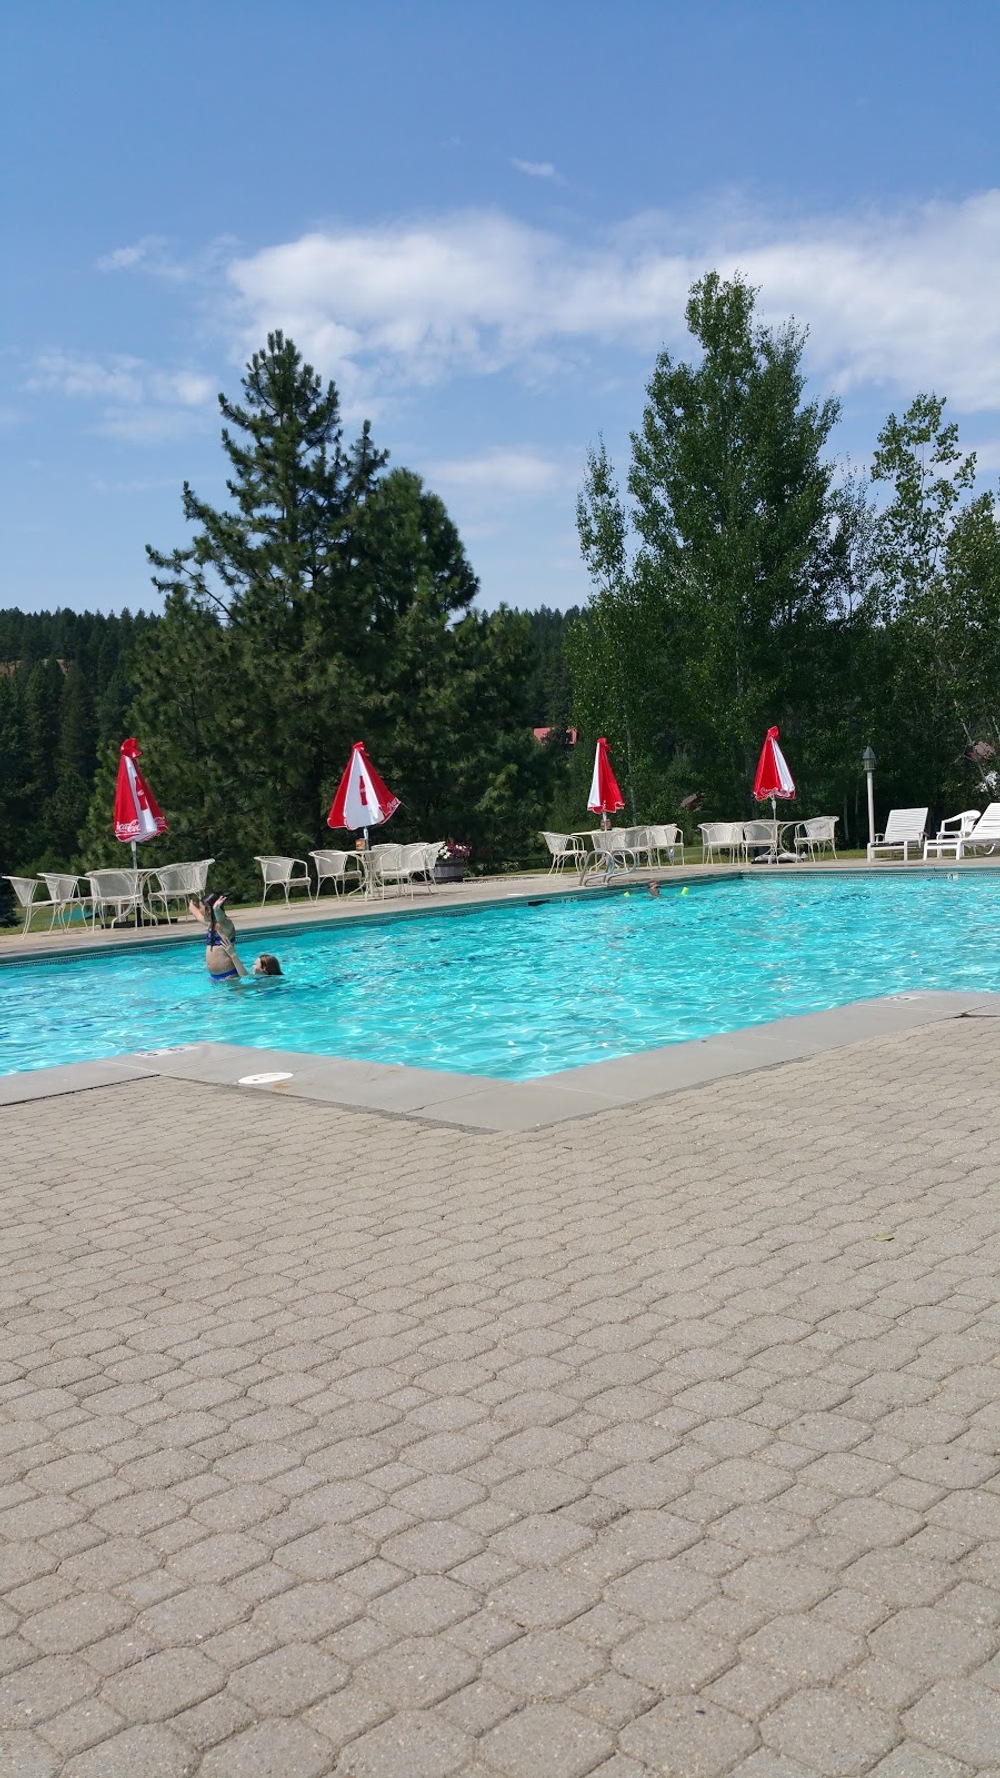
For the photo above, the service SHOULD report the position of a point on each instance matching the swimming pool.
(523, 990)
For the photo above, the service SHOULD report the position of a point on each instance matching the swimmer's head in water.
(267, 965)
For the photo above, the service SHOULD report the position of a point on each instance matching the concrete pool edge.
(481, 1104)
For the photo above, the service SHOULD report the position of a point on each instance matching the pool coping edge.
(482, 1104)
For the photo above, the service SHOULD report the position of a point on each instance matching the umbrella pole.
(774, 842)
(135, 867)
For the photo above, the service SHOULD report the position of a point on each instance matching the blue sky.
(482, 221)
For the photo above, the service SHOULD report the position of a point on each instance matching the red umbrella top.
(362, 800)
(773, 780)
(605, 797)
(138, 815)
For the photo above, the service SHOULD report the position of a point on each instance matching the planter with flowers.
(451, 862)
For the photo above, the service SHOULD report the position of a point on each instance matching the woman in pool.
(221, 958)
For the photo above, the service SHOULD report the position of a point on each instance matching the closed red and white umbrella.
(774, 780)
(138, 815)
(362, 799)
(605, 797)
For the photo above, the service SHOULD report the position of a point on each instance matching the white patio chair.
(985, 834)
(65, 893)
(904, 828)
(283, 873)
(331, 867)
(432, 853)
(760, 836)
(665, 837)
(117, 889)
(26, 890)
(564, 848)
(637, 841)
(419, 859)
(608, 851)
(953, 833)
(813, 835)
(388, 866)
(721, 836)
(178, 882)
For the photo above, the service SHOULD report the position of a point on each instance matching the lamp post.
(868, 761)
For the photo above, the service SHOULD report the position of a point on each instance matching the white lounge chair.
(985, 833)
(283, 873)
(332, 867)
(178, 882)
(953, 833)
(904, 828)
(820, 830)
(721, 836)
(564, 848)
(26, 890)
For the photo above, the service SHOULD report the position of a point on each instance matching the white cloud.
(537, 169)
(140, 253)
(115, 378)
(906, 301)
(136, 400)
(498, 472)
(151, 255)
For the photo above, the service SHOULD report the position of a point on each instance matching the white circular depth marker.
(262, 1080)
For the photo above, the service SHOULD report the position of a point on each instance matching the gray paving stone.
(33, 1693)
(27, 1755)
(612, 1700)
(544, 1598)
(417, 1671)
(151, 1751)
(749, 1690)
(767, 1764)
(960, 1718)
(307, 1612)
(933, 1644)
(162, 1685)
(830, 1732)
(214, 1720)
(543, 1664)
(673, 1657)
(288, 1680)
(190, 1615)
(802, 1648)
(82, 1726)
(683, 1734)
(419, 1607)
(279, 1749)
(572, 1745)
(348, 1713)
(411, 1744)
(913, 1761)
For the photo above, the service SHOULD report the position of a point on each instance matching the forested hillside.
(66, 688)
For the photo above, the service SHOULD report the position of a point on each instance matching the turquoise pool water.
(519, 991)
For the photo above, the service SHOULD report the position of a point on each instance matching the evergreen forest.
(739, 578)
